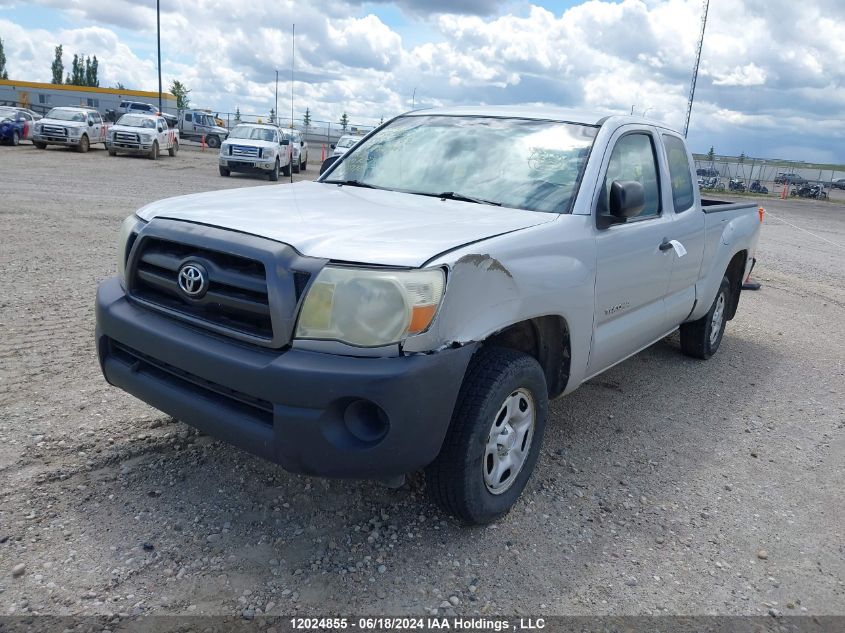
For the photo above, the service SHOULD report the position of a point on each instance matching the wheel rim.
(509, 441)
(717, 319)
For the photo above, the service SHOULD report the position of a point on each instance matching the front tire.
(112, 151)
(16, 138)
(225, 172)
(701, 338)
(154, 151)
(286, 170)
(297, 167)
(84, 144)
(494, 438)
(304, 165)
(274, 175)
(40, 145)
(213, 142)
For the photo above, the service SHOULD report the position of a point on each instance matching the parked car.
(789, 179)
(197, 125)
(838, 184)
(142, 134)
(299, 149)
(707, 172)
(344, 143)
(255, 148)
(16, 125)
(415, 310)
(76, 127)
(130, 107)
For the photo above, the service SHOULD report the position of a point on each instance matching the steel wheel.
(509, 441)
(717, 318)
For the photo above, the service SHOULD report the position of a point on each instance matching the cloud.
(770, 77)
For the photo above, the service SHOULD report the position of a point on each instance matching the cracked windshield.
(519, 163)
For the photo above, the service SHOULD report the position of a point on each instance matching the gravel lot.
(666, 485)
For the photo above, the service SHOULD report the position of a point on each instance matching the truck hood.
(346, 223)
(133, 129)
(246, 142)
(60, 122)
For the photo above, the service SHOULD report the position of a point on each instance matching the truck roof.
(75, 108)
(582, 117)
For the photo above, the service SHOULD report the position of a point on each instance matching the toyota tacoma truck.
(76, 127)
(146, 134)
(255, 149)
(419, 304)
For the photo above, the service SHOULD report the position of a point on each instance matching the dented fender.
(539, 271)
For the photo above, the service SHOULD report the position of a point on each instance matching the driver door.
(632, 272)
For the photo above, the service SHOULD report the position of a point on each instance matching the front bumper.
(139, 148)
(247, 165)
(57, 140)
(299, 409)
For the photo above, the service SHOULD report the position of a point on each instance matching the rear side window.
(633, 158)
(679, 172)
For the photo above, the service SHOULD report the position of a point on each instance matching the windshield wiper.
(454, 195)
(352, 183)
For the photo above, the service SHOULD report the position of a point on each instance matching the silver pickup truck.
(419, 304)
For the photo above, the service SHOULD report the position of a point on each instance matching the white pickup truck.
(254, 148)
(142, 134)
(77, 127)
(419, 304)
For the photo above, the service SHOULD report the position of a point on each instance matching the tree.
(306, 120)
(344, 121)
(272, 115)
(237, 114)
(181, 92)
(742, 158)
(89, 74)
(4, 74)
(711, 155)
(58, 66)
(381, 121)
(120, 86)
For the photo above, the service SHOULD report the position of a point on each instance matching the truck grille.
(243, 150)
(125, 137)
(54, 130)
(236, 298)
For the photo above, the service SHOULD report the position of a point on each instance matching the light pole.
(414, 99)
(158, 38)
(276, 107)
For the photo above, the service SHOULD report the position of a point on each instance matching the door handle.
(665, 245)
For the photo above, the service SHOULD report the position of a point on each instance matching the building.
(41, 97)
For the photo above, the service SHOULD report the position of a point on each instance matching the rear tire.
(173, 149)
(494, 438)
(274, 175)
(225, 172)
(84, 144)
(701, 338)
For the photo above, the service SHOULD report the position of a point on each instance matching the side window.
(679, 171)
(633, 159)
(189, 117)
(43, 99)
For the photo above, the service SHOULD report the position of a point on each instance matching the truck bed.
(711, 205)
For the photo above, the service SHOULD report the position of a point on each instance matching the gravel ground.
(666, 485)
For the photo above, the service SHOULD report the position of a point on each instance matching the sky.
(771, 83)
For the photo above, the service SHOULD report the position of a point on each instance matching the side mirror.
(328, 163)
(90, 123)
(627, 200)
(302, 143)
(332, 145)
(285, 141)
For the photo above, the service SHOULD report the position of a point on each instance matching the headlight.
(38, 128)
(268, 152)
(74, 131)
(128, 230)
(146, 138)
(369, 308)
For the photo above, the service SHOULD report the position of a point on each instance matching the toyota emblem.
(193, 280)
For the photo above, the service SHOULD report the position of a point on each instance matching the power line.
(695, 69)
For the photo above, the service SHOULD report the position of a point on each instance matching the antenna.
(695, 69)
